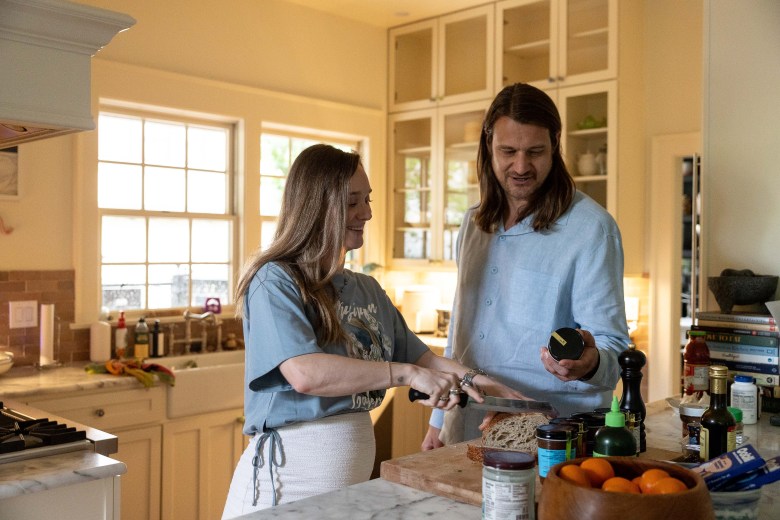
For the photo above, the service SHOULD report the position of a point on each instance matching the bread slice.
(514, 432)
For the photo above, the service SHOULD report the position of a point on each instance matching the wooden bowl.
(563, 500)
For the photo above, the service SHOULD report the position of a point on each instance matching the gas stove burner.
(18, 432)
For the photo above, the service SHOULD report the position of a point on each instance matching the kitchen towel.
(47, 334)
(100, 342)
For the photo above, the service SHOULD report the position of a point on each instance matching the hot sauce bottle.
(696, 364)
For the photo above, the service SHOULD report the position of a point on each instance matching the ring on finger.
(444, 398)
(454, 391)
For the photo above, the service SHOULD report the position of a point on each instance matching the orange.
(575, 474)
(650, 477)
(620, 485)
(637, 481)
(598, 470)
(666, 486)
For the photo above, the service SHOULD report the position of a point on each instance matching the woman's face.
(358, 209)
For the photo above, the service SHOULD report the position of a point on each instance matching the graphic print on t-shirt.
(366, 341)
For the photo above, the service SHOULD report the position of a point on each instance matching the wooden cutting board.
(445, 471)
(449, 473)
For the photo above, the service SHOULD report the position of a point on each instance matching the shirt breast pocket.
(533, 299)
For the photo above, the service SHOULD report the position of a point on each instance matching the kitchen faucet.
(208, 319)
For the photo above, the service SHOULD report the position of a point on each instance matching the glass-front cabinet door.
(556, 43)
(443, 60)
(411, 169)
(433, 165)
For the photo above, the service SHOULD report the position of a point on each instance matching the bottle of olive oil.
(718, 427)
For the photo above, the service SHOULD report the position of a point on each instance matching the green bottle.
(614, 439)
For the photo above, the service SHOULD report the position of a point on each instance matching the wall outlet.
(23, 314)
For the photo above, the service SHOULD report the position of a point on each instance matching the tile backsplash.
(58, 288)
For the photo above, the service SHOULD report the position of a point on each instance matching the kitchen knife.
(495, 404)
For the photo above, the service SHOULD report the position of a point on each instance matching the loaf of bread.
(514, 432)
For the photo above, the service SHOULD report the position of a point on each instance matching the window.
(166, 212)
(278, 150)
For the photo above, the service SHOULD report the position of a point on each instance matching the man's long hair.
(310, 233)
(527, 105)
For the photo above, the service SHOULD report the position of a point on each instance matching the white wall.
(741, 143)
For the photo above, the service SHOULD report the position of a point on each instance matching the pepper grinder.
(631, 362)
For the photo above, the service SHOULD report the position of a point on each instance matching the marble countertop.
(24, 382)
(40, 474)
(381, 499)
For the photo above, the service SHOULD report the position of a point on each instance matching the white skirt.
(302, 460)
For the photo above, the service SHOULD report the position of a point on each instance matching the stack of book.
(745, 343)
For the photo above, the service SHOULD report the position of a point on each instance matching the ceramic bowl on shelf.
(564, 500)
(6, 361)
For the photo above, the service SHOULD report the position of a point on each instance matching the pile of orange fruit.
(596, 472)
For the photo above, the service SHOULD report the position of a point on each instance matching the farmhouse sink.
(206, 382)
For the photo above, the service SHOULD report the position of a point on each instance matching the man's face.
(522, 159)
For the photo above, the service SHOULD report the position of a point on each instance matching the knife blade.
(495, 404)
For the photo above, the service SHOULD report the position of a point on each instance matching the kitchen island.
(381, 499)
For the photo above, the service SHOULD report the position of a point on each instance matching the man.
(533, 256)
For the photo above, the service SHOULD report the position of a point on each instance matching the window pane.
(210, 240)
(169, 286)
(119, 186)
(267, 232)
(123, 286)
(206, 192)
(271, 189)
(123, 239)
(299, 145)
(207, 148)
(209, 281)
(274, 154)
(163, 189)
(164, 144)
(169, 240)
(417, 244)
(119, 138)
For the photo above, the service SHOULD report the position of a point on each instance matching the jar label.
(549, 458)
(696, 378)
(501, 500)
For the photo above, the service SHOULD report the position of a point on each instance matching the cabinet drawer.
(109, 410)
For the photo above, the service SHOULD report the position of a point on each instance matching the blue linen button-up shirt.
(516, 286)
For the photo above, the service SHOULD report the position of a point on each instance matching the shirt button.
(489, 302)
(481, 335)
(502, 238)
(494, 270)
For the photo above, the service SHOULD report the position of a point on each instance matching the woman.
(323, 344)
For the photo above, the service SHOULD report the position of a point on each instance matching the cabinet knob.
(550, 80)
(561, 78)
(100, 412)
(241, 419)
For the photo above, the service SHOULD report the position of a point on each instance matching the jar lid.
(579, 424)
(693, 409)
(743, 379)
(508, 460)
(591, 419)
(566, 343)
(558, 432)
(736, 412)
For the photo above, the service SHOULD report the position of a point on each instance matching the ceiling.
(388, 13)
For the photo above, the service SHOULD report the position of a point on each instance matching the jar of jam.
(508, 480)
(582, 431)
(556, 443)
(593, 421)
(696, 365)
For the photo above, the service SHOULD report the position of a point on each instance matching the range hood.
(46, 48)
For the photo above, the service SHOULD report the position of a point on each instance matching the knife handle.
(416, 394)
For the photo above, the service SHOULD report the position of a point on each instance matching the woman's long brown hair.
(310, 234)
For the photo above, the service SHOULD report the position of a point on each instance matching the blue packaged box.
(766, 474)
(728, 466)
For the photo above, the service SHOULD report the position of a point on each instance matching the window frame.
(231, 214)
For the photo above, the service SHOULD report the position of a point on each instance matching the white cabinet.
(589, 117)
(135, 417)
(433, 179)
(442, 61)
(555, 43)
(201, 453)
